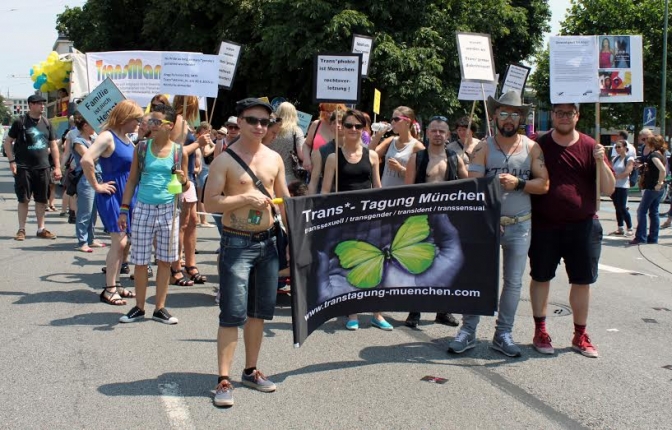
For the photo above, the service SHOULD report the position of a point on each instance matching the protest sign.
(186, 73)
(395, 249)
(137, 74)
(336, 78)
(589, 69)
(515, 78)
(472, 90)
(363, 45)
(229, 53)
(96, 107)
(304, 121)
(475, 54)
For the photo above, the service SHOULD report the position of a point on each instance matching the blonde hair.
(122, 113)
(192, 107)
(409, 113)
(290, 118)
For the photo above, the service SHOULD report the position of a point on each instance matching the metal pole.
(663, 92)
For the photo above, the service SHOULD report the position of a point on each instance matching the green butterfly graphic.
(367, 262)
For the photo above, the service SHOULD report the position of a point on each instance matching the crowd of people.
(151, 176)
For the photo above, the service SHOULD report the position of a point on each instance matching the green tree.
(414, 61)
(596, 17)
(5, 114)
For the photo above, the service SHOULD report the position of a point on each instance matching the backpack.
(422, 160)
(22, 122)
(142, 155)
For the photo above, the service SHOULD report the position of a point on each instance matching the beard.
(564, 129)
(506, 132)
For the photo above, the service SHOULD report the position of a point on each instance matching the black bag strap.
(257, 181)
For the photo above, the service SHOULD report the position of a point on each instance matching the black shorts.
(579, 244)
(32, 183)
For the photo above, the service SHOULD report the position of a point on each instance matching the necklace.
(513, 150)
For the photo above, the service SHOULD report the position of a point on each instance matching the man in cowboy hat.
(518, 163)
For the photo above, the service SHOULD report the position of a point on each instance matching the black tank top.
(357, 176)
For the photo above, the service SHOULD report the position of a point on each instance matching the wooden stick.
(212, 111)
(336, 150)
(175, 211)
(471, 116)
(597, 140)
(487, 117)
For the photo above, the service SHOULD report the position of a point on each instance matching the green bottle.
(174, 186)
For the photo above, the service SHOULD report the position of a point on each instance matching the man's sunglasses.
(251, 120)
(438, 118)
(514, 115)
(156, 121)
(232, 127)
(352, 126)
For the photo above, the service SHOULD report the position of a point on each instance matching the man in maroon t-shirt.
(565, 224)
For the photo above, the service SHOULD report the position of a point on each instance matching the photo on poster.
(615, 83)
(614, 52)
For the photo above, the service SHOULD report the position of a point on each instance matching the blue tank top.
(119, 163)
(153, 187)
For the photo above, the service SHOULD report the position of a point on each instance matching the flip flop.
(84, 249)
(97, 245)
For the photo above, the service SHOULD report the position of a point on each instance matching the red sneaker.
(582, 344)
(542, 342)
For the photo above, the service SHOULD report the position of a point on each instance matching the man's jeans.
(649, 203)
(515, 243)
(86, 212)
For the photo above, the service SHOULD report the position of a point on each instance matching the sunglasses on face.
(351, 126)
(399, 118)
(513, 115)
(232, 127)
(156, 121)
(563, 114)
(251, 120)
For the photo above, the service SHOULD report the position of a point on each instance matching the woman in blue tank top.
(113, 150)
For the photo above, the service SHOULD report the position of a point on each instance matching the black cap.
(249, 103)
(36, 98)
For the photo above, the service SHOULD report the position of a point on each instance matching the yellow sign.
(376, 102)
(265, 100)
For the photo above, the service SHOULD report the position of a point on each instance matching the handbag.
(71, 180)
(298, 170)
(281, 238)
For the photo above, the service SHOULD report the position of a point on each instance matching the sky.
(30, 33)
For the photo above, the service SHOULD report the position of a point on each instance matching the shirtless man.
(432, 165)
(248, 242)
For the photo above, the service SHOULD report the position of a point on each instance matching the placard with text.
(336, 78)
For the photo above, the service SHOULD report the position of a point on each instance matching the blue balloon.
(31, 71)
(42, 79)
(37, 85)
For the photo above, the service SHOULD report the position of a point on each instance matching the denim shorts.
(248, 279)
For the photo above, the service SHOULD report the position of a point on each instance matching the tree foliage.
(5, 114)
(598, 17)
(414, 61)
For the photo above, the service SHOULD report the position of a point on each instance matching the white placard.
(363, 45)
(229, 54)
(475, 54)
(573, 69)
(516, 76)
(189, 74)
(472, 90)
(337, 78)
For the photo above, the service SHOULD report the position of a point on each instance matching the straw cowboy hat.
(510, 99)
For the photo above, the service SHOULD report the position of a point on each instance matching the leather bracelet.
(12, 161)
(520, 185)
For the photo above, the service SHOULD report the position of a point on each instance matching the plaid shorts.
(151, 222)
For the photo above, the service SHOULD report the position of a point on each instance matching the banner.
(590, 69)
(363, 45)
(96, 107)
(189, 74)
(229, 54)
(427, 247)
(475, 54)
(515, 79)
(336, 78)
(137, 74)
(79, 80)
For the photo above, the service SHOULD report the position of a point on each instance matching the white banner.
(189, 74)
(79, 80)
(229, 54)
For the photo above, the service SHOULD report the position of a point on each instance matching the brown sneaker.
(20, 235)
(46, 234)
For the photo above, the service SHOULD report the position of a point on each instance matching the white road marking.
(612, 269)
(612, 329)
(176, 407)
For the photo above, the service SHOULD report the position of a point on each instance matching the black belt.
(256, 236)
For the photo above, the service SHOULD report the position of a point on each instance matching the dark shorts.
(248, 279)
(32, 183)
(579, 245)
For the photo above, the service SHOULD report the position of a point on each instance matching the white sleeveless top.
(390, 177)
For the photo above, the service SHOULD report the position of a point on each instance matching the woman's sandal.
(195, 275)
(182, 281)
(124, 293)
(112, 298)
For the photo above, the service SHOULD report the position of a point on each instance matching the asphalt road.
(68, 364)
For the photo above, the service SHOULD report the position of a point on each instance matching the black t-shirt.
(652, 173)
(31, 145)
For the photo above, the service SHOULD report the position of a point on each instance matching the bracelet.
(520, 185)
(12, 161)
(123, 211)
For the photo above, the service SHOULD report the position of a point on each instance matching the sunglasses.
(399, 118)
(251, 120)
(156, 121)
(618, 147)
(514, 116)
(276, 121)
(352, 126)
(438, 118)
(232, 127)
